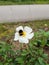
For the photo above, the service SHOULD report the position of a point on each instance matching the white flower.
(23, 34)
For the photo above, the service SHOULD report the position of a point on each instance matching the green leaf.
(47, 34)
(47, 64)
(20, 60)
(24, 52)
(37, 63)
(45, 56)
(6, 64)
(1, 63)
(41, 61)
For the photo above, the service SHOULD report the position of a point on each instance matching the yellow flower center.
(24, 34)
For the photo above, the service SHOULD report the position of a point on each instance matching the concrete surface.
(15, 13)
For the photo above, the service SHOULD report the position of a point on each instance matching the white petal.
(23, 40)
(27, 29)
(19, 28)
(30, 35)
(16, 36)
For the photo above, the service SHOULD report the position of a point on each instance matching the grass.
(25, 2)
(7, 30)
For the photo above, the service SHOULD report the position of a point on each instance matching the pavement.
(17, 13)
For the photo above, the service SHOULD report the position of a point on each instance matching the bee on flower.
(23, 35)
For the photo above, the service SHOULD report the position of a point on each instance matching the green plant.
(29, 56)
(42, 38)
(33, 54)
(7, 55)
